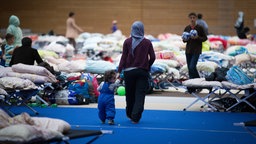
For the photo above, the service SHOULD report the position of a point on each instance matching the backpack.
(237, 76)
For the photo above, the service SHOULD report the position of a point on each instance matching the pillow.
(23, 133)
(170, 63)
(4, 71)
(242, 58)
(16, 83)
(4, 119)
(19, 133)
(174, 72)
(231, 85)
(23, 118)
(33, 77)
(52, 124)
(99, 66)
(72, 66)
(201, 82)
(33, 69)
(3, 92)
(206, 66)
(253, 57)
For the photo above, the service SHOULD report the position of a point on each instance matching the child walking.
(106, 101)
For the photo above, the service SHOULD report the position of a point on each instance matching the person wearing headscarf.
(14, 29)
(26, 54)
(114, 26)
(137, 58)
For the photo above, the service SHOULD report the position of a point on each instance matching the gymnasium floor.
(168, 99)
(164, 121)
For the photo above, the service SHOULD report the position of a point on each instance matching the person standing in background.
(114, 26)
(239, 26)
(14, 29)
(202, 22)
(137, 58)
(72, 30)
(193, 46)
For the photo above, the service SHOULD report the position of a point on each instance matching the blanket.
(30, 129)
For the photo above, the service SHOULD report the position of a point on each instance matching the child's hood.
(14, 20)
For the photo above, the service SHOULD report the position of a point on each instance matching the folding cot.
(17, 98)
(249, 68)
(226, 89)
(41, 130)
(161, 78)
(46, 92)
(21, 97)
(72, 134)
(247, 125)
(78, 133)
(200, 83)
(239, 89)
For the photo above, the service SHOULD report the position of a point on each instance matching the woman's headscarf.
(137, 33)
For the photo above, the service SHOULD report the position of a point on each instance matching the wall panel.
(162, 16)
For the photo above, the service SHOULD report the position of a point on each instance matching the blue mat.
(157, 126)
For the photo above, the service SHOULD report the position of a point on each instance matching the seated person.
(25, 54)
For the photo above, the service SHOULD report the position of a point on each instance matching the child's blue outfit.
(8, 57)
(106, 101)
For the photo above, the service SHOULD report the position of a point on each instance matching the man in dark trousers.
(193, 46)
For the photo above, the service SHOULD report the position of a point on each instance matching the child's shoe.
(134, 122)
(111, 122)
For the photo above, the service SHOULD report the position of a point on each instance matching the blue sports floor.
(157, 126)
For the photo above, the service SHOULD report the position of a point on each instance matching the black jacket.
(25, 54)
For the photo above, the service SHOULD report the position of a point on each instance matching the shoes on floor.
(193, 90)
(134, 122)
(190, 90)
(198, 90)
(129, 117)
(111, 122)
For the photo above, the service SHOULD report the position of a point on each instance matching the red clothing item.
(224, 42)
(107, 58)
(144, 55)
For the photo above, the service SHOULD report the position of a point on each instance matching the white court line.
(153, 128)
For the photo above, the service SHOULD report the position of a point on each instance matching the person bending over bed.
(25, 54)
